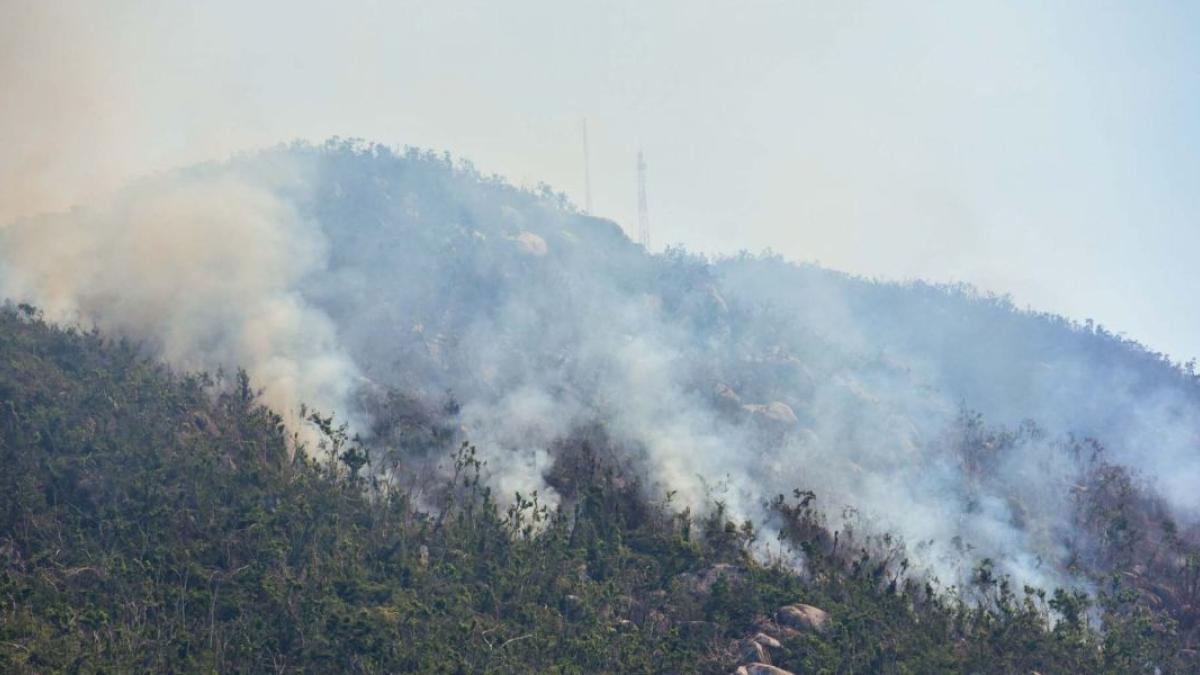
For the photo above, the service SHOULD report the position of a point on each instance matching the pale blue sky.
(1050, 150)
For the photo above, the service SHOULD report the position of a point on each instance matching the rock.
(750, 651)
(626, 626)
(423, 556)
(804, 617)
(726, 395)
(776, 412)
(531, 244)
(756, 649)
(767, 641)
(776, 631)
(741, 671)
(765, 669)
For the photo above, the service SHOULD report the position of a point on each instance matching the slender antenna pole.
(643, 212)
(587, 172)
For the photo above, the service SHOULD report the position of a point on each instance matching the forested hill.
(153, 521)
(935, 445)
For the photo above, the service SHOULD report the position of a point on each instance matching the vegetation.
(156, 521)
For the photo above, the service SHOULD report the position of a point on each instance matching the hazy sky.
(1049, 150)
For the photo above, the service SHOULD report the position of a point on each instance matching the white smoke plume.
(202, 269)
(335, 274)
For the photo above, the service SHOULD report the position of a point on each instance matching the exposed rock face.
(767, 641)
(750, 651)
(776, 412)
(756, 649)
(726, 395)
(775, 630)
(803, 617)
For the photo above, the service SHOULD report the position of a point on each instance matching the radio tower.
(643, 214)
(587, 173)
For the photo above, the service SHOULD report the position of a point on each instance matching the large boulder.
(803, 617)
(757, 649)
(767, 641)
(776, 630)
(531, 244)
(750, 651)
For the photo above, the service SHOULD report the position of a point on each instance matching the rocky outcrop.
(752, 651)
(531, 244)
(767, 641)
(759, 649)
(776, 631)
(726, 396)
(776, 412)
(803, 617)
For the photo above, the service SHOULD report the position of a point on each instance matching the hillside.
(961, 476)
(152, 521)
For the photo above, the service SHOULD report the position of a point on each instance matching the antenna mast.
(587, 173)
(643, 213)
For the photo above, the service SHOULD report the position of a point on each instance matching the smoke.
(338, 274)
(199, 267)
(334, 275)
(98, 94)
(66, 111)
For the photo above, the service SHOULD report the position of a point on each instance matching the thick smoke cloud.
(339, 276)
(1011, 365)
(199, 267)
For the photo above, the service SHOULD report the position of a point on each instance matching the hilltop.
(947, 475)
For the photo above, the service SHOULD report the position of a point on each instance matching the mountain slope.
(149, 522)
(426, 305)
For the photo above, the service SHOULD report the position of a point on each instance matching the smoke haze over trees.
(377, 285)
